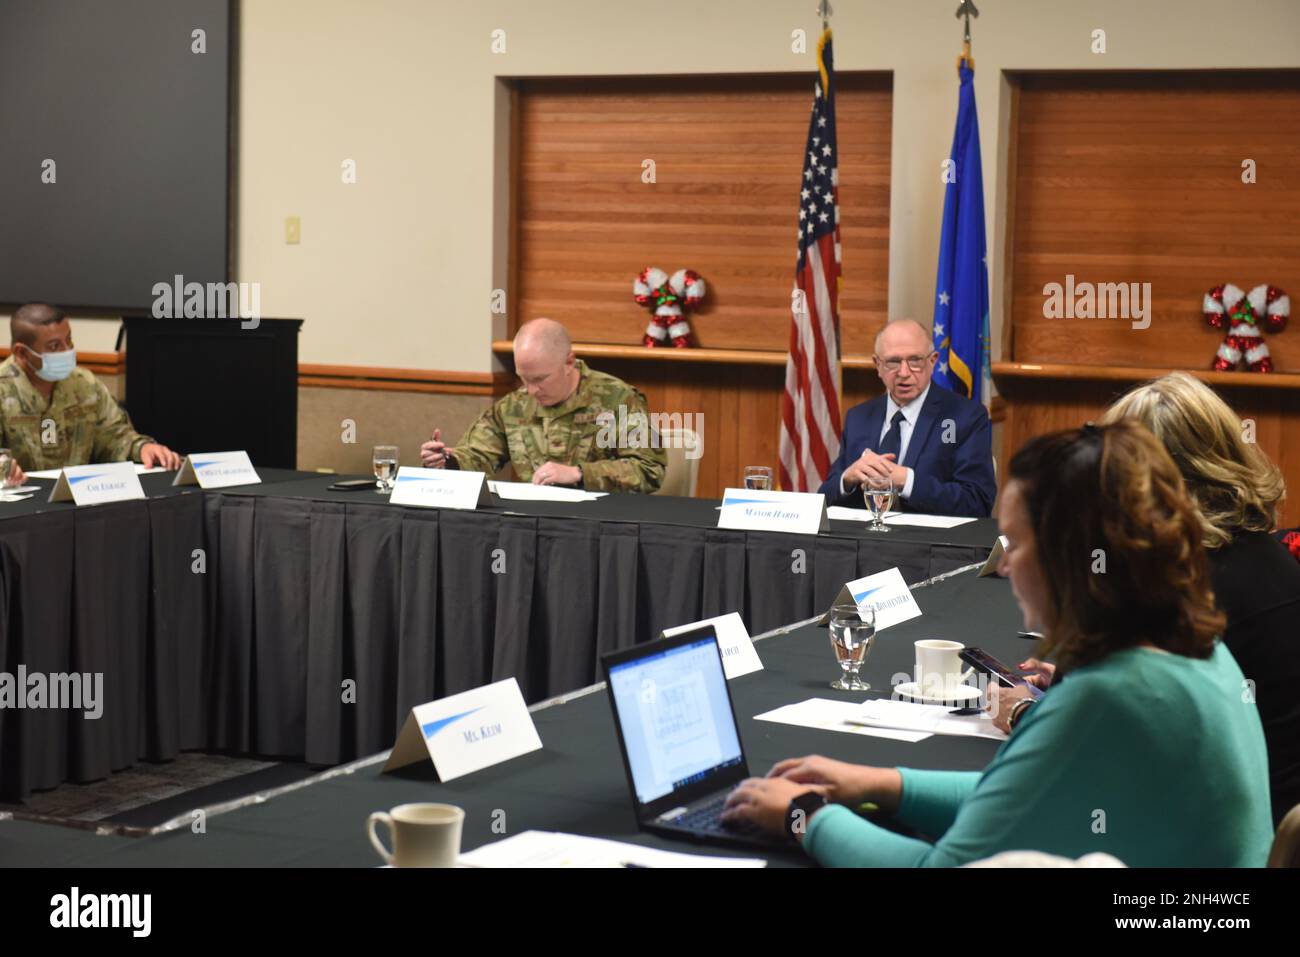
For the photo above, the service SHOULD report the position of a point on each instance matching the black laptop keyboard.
(708, 817)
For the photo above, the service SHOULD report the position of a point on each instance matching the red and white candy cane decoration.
(671, 297)
(1242, 314)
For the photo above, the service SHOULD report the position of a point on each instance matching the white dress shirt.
(911, 412)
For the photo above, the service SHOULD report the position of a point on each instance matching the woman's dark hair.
(1119, 542)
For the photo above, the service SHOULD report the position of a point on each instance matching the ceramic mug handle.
(377, 818)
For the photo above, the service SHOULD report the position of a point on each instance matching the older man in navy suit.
(936, 446)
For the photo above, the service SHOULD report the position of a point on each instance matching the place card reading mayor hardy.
(467, 732)
(802, 512)
(217, 470)
(739, 657)
(885, 592)
(440, 488)
(94, 484)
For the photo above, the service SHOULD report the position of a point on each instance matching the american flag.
(810, 410)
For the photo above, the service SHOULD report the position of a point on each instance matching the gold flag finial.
(966, 11)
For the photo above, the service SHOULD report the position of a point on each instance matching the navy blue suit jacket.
(952, 478)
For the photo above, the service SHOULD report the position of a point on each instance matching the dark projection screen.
(137, 126)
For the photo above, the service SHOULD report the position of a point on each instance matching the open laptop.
(677, 731)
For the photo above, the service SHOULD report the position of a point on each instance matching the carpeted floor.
(150, 794)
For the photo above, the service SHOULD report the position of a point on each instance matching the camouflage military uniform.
(529, 435)
(82, 423)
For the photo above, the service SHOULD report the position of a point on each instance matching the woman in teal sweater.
(1149, 746)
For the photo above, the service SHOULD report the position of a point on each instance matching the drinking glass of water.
(853, 632)
(758, 477)
(6, 475)
(879, 493)
(385, 463)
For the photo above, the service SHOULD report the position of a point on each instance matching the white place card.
(467, 732)
(94, 484)
(739, 656)
(885, 592)
(802, 512)
(995, 556)
(217, 470)
(440, 488)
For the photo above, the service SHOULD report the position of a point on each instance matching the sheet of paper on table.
(527, 492)
(841, 514)
(554, 849)
(931, 718)
(54, 473)
(825, 714)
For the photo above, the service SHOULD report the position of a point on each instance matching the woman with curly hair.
(1148, 708)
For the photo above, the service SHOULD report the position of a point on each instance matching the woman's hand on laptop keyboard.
(763, 802)
(841, 782)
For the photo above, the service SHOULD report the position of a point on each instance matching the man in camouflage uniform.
(54, 414)
(556, 429)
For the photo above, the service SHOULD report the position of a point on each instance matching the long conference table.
(575, 783)
(284, 619)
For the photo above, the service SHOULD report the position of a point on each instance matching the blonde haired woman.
(1256, 581)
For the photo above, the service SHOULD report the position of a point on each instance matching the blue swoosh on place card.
(861, 595)
(85, 478)
(749, 501)
(433, 727)
(202, 465)
(419, 478)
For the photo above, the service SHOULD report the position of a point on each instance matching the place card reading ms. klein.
(440, 488)
(217, 470)
(95, 484)
(759, 510)
(468, 731)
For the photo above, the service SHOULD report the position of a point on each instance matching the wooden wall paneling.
(727, 153)
(1009, 240)
(1137, 177)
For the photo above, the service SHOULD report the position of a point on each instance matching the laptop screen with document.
(675, 717)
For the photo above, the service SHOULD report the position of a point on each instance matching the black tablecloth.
(322, 617)
(576, 782)
(111, 589)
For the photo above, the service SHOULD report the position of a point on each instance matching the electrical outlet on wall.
(292, 230)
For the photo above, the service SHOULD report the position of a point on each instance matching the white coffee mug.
(939, 666)
(423, 835)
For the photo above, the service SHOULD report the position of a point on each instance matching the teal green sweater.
(1156, 758)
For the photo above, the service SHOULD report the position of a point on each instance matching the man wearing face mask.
(54, 414)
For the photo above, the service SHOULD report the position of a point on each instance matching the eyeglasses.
(915, 363)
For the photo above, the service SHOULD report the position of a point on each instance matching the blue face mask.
(57, 366)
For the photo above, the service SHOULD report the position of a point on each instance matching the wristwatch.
(802, 808)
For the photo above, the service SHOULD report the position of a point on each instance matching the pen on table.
(632, 864)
